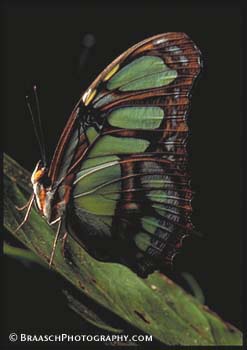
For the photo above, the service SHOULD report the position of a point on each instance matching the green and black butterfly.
(118, 181)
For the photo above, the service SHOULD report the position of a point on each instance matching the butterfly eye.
(40, 175)
(37, 174)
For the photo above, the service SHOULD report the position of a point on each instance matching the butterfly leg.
(59, 230)
(28, 206)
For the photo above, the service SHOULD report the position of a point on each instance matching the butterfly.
(118, 181)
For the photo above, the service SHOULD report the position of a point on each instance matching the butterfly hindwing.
(142, 200)
(126, 147)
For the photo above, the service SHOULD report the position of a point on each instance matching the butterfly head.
(41, 185)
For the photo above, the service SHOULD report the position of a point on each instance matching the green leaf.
(154, 305)
(22, 254)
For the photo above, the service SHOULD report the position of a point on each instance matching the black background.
(43, 46)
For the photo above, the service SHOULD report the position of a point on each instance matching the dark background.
(43, 45)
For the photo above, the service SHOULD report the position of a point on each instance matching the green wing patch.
(136, 117)
(113, 145)
(143, 73)
(96, 178)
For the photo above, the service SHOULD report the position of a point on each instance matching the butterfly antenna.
(35, 129)
(42, 139)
